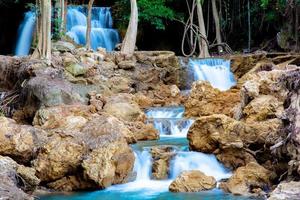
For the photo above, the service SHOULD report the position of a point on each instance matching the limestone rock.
(71, 183)
(127, 64)
(76, 69)
(20, 141)
(262, 108)
(60, 156)
(192, 181)
(249, 180)
(142, 131)
(161, 156)
(63, 46)
(106, 124)
(110, 161)
(205, 100)
(64, 117)
(123, 107)
(219, 131)
(28, 175)
(286, 190)
(8, 184)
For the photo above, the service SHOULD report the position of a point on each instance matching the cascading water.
(215, 71)
(25, 34)
(144, 187)
(169, 121)
(102, 33)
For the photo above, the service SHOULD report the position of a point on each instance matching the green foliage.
(154, 12)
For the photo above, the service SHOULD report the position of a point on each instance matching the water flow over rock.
(102, 34)
(25, 34)
(215, 71)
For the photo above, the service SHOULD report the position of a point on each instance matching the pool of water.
(116, 193)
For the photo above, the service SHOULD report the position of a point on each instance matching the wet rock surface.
(251, 179)
(88, 106)
(192, 181)
(286, 190)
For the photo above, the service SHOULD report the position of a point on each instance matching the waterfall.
(25, 34)
(215, 71)
(169, 121)
(102, 33)
(208, 164)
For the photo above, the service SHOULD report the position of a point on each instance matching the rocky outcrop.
(251, 179)
(210, 133)
(20, 142)
(72, 183)
(205, 100)
(192, 181)
(110, 161)
(286, 190)
(9, 182)
(161, 156)
(105, 124)
(65, 117)
(62, 155)
(123, 107)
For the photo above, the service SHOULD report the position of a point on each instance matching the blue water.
(142, 195)
(144, 187)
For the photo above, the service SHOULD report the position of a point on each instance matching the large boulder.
(234, 142)
(123, 107)
(62, 155)
(192, 181)
(106, 124)
(251, 179)
(161, 161)
(205, 100)
(64, 117)
(142, 131)
(20, 142)
(9, 181)
(71, 183)
(286, 190)
(110, 162)
(219, 131)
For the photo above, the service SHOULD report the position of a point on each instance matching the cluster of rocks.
(81, 115)
(252, 128)
(83, 111)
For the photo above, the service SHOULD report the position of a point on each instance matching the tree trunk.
(217, 25)
(129, 41)
(249, 26)
(202, 41)
(43, 50)
(65, 15)
(89, 25)
(62, 16)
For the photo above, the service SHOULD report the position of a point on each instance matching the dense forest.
(258, 25)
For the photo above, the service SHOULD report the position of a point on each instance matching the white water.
(183, 161)
(102, 33)
(25, 34)
(169, 121)
(215, 71)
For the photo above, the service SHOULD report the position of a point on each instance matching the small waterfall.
(25, 34)
(215, 71)
(207, 164)
(102, 33)
(142, 165)
(169, 121)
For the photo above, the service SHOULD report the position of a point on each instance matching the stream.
(173, 129)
